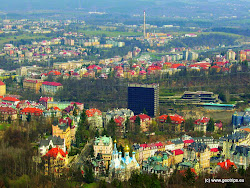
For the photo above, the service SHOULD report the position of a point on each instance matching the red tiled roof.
(119, 120)
(152, 67)
(7, 110)
(52, 83)
(1, 83)
(92, 111)
(182, 172)
(174, 66)
(13, 99)
(143, 117)
(188, 141)
(54, 152)
(91, 67)
(214, 149)
(143, 145)
(159, 144)
(177, 152)
(35, 111)
(215, 67)
(202, 120)
(174, 118)
(226, 164)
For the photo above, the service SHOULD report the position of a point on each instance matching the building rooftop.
(52, 83)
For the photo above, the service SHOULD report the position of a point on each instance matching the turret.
(127, 149)
(133, 156)
(120, 155)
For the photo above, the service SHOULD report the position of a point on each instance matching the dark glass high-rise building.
(144, 96)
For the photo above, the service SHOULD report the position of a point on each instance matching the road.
(79, 160)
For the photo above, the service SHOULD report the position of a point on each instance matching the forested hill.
(183, 8)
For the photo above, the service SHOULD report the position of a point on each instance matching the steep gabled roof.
(54, 152)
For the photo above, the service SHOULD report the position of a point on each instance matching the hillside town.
(171, 123)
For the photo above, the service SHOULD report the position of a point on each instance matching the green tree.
(28, 118)
(169, 119)
(189, 124)
(189, 177)
(210, 125)
(75, 110)
(111, 127)
(145, 112)
(137, 125)
(9, 120)
(88, 174)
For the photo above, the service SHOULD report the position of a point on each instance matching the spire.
(115, 151)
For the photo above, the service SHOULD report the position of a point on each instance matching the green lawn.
(4, 126)
(108, 33)
(19, 37)
(91, 185)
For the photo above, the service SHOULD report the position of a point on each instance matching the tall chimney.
(144, 25)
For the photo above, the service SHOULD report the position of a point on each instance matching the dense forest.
(211, 40)
(112, 93)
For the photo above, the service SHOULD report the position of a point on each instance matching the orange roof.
(91, 112)
(246, 129)
(174, 118)
(226, 164)
(54, 72)
(31, 110)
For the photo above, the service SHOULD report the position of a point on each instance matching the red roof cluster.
(91, 67)
(92, 112)
(226, 164)
(12, 99)
(32, 111)
(52, 83)
(177, 119)
(53, 152)
(143, 117)
(153, 67)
